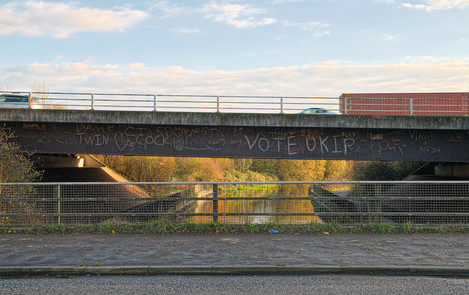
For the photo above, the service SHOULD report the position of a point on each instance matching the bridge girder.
(242, 141)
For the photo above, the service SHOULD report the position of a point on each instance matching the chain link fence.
(347, 203)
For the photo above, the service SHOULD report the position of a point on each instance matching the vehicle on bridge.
(317, 111)
(17, 101)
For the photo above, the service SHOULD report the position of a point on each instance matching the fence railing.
(393, 202)
(174, 102)
(431, 104)
(442, 104)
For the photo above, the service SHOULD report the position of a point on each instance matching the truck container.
(405, 104)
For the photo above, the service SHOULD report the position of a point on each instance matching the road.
(237, 285)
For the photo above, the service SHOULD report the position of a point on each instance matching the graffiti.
(430, 149)
(230, 141)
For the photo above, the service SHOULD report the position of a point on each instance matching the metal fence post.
(281, 105)
(58, 204)
(411, 107)
(218, 104)
(377, 204)
(154, 102)
(345, 106)
(215, 203)
(92, 101)
(29, 99)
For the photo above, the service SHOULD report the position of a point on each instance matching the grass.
(165, 226)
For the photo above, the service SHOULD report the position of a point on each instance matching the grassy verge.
(169, 227)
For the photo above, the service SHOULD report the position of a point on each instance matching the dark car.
(317, 111)
(15, 101)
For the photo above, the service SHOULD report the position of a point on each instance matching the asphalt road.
(236, 285)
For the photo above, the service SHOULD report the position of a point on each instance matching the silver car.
(317, 111)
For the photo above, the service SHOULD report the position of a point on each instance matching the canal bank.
(396, 254)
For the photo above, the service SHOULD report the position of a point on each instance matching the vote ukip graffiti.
(313, 141)
(244, 142)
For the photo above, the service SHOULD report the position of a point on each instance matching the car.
(317, 111)
(16, 101)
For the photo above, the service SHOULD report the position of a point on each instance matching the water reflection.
(265, 202)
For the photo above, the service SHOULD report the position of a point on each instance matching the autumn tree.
(242, 164)
(380, 170)
(338, 170)
(202, 169)
(301, 170)
(142, 168)
(15, 165)
(265, 166)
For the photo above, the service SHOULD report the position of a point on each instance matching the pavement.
(232, 254)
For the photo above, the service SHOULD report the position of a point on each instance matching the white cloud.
(430, 5)
(170, 10)
(233, 14)
(58, 58)
(136, 66)
(185, 31)
(322, 79)
(318, 28)
(236, 15)
(388, 37)
(37, 18)
(286, 1)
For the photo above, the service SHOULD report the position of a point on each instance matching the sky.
(235, 47)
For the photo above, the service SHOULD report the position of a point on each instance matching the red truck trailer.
(405, 104)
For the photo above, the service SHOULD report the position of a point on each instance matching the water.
(274, 204)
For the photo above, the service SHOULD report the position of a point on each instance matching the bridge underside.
(244, 142)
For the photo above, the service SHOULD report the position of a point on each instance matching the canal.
(276, 203)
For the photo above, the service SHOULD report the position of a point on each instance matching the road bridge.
(246, 135)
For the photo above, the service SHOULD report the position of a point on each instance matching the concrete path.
(426, 254)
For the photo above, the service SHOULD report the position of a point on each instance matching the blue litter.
(274, 231)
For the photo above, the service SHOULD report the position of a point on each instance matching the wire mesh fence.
(347, 203)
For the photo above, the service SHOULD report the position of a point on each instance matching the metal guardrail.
(175, 102)
(366, 105)
(393, 202)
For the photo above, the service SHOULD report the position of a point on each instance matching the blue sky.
(236, 47)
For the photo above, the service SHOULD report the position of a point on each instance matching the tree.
(202, 169)
(301, 170)
(265, 166)
(15, 165)
(242, 164)
(142, 169)
(384, 170)
(338, 170)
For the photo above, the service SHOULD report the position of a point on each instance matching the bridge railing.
(347, 203)
(452, 104)
(176, 103)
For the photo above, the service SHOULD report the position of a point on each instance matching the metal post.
(29, 99)
(281, 105)
(218, 104)
(411, 107)
(215, 203)
(154, 102)
(378, 204)
(92, 101)
(345, 106)
(58, 204)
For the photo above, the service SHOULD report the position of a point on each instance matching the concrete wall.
(225, 119)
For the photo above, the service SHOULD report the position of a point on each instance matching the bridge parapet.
(232, 119)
